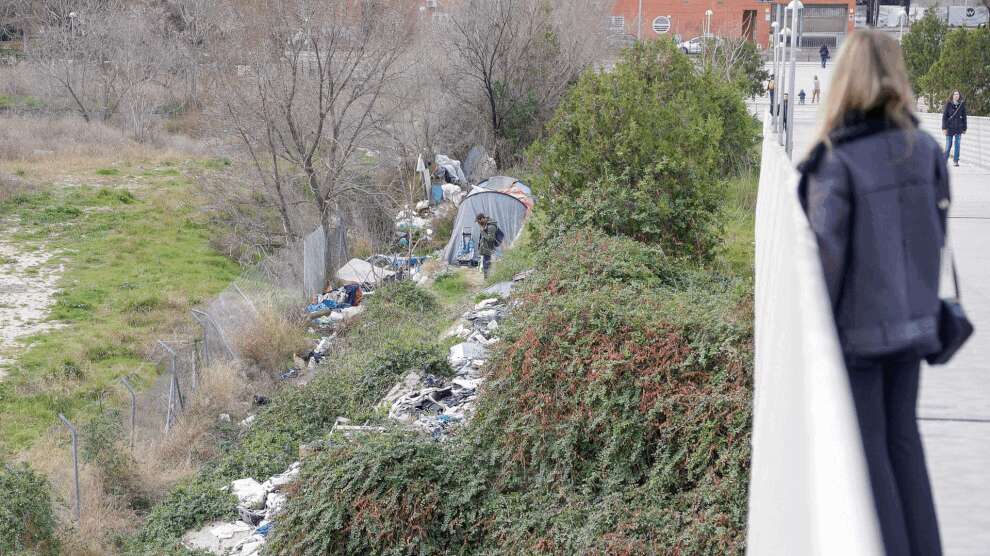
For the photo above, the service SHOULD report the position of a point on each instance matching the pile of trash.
(258, 505)
(436, 404)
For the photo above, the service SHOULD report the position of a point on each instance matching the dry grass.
(223, 388)
(159, 463)
(101, 513)
(270, 340)
(56, 145)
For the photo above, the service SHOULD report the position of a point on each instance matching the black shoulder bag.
(953, 326)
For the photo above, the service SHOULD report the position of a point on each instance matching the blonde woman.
(875, 190)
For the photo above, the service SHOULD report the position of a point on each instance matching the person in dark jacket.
(875, 190)
(953, 124)
(823, 52)
(488, 241)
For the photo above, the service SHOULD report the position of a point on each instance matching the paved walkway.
(954, 410)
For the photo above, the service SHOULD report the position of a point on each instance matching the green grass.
(740, 223)
(134, 262)
(451, 285)
(20, 102)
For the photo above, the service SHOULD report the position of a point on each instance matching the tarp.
(509, 186)
(507, 210)
(357, 271)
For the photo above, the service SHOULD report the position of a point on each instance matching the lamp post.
(776, 78)
(639, 21)
(708, 23)
(795, 7)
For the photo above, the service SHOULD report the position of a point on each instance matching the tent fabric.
(357, 271)
(509, 211)
(509, 186)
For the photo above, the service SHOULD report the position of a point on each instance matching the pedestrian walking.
(802, 96)
(771, 89)
(823, 52)
(954, 124)
(816, 90)
(488, 242)
(875, 190)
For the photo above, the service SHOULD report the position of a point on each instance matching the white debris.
(249, 493)
(275, 502)
(486, 303)
(247, 421)
(464, 352)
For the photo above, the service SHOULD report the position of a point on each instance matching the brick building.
(825, 21)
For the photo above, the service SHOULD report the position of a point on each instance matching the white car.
(694, 46)
(691, 46)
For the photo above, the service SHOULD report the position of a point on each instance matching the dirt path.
(27, 290)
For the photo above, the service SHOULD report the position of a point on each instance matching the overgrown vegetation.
(616, 419)
(27, 522)
(134, 261)
(396, 333)
(940, 61)
(642, 151)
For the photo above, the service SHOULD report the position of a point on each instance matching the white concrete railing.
(809, 489)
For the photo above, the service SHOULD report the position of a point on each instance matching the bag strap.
(942, 204)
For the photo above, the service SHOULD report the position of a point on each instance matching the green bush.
(964, 65)
(402, 295)
(643, 150)
(27, 522)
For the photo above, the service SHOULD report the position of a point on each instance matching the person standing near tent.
(488, 242)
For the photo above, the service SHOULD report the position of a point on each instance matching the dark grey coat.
(873, 205)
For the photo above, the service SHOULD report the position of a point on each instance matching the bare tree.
(520, 56)
(97, 51)
(306, 103)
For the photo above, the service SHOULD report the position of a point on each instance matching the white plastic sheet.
(809, 488)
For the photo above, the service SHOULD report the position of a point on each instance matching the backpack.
(499, 236)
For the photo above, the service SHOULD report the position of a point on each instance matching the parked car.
(694, 46)
(691, 46)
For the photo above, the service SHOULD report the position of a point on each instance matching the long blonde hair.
(869, 75)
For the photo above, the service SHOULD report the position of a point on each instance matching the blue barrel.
(437, 193)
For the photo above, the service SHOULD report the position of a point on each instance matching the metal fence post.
(168, 413)
(175, 376)
(127, 385)
(75, 460)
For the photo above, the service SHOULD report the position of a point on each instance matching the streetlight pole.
(708, 23)
(776, 78)
(639, 21)
(795, 6)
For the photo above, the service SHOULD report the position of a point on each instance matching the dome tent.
(508, 211)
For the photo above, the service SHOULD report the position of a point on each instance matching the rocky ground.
(27, 291)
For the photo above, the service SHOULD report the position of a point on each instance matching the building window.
(617, 24)
(661, 25)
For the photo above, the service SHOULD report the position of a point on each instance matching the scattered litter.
(224, 418)
(250, 494)
(258, 504)
(261, 400)
(248, 420)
